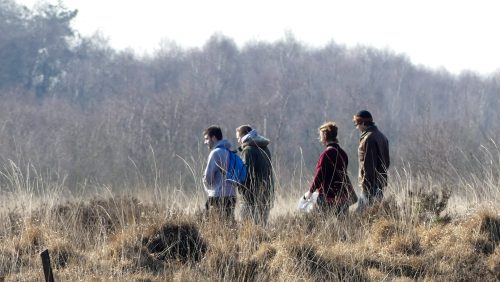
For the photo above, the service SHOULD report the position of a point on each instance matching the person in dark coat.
(374, 160)
(335, 192)
(258, 191)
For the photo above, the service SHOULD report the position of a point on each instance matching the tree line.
(74, 108)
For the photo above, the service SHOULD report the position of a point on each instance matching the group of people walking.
(331, 180)
(257, 192)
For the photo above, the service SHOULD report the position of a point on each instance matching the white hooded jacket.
(214, 180)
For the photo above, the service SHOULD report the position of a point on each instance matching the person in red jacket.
(331, 179)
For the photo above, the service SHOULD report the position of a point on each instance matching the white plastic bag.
(307, 203)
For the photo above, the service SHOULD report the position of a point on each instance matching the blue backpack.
(236, 169)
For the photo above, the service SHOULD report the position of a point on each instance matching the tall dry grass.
(425, 229)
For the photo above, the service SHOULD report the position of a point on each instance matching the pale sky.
(456, 35)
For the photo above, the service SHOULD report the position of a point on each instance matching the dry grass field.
(102, 155)
(424, 230)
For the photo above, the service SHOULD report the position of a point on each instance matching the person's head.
(212, 135)
(362, 120)
(328, 132)
(242, 131)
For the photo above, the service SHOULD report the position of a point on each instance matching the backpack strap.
(229, 164)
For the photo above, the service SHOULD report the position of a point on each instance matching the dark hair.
(213, 130)
(330, 129)
(244, 129)
(364, 114)
(363, 117)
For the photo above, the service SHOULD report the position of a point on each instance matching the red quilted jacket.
(331, 178)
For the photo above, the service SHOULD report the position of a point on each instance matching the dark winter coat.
(259, 185)
(374, 161)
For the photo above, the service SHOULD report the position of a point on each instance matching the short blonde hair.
(330, 129)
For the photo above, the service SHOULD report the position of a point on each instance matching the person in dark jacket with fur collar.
(374, 160)
(258, 190)
(331, 179)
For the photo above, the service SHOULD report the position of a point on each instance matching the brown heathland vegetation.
(123, 238)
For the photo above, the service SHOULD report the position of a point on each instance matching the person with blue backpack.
(222, 174)
(258, 190)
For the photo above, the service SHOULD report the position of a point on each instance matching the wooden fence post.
(47, 269)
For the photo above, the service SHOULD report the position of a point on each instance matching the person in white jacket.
(221, 193)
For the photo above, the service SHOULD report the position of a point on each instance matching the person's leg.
(379, 195)
(227, 207)
(245, 211)
(375, 195)
(209, 204)
(255, 213)
(259, 208)
(252, 200)
(264, 213)
(258, 214)
(363, 201)
(213, 206)
(323, 206)
(342, 211)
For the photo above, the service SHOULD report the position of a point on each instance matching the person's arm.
(370, 149)
(387, 157)
(246, 158)
(210, 171)
(270, 180)
(319, 174)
